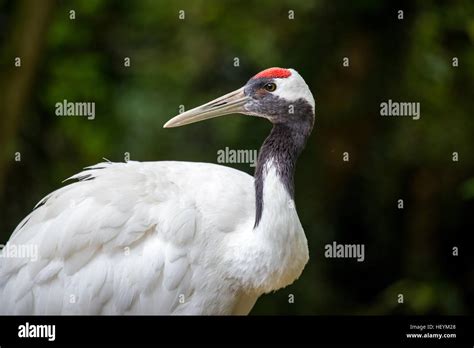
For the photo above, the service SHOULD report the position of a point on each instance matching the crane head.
(277, 94)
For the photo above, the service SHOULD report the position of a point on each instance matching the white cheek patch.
(293, 88)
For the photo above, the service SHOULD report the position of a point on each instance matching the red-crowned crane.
(171, 237)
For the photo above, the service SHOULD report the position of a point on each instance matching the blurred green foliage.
(187, 62)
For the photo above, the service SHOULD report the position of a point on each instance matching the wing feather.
(125, 238)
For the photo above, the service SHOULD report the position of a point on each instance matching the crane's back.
(132, 238)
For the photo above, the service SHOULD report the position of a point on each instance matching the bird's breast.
(272, 255)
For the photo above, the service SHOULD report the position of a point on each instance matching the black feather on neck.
(282, 148)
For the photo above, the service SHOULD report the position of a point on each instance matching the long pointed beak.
(230, 103)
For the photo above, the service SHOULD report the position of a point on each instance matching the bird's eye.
(270, 86)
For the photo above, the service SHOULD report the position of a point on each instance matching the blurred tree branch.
(26, 40)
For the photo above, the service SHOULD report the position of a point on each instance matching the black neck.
(282, 147)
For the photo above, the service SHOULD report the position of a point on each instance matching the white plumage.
(171, 237)
(146, 238)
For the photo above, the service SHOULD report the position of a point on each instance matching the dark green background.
(190, 61)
